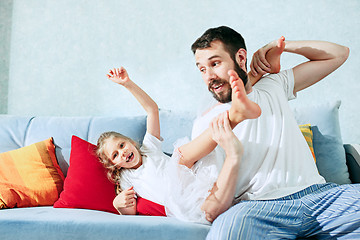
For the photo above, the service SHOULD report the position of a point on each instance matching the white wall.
(61, 51)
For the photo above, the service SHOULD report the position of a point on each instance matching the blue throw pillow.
(330, 157)
(327, 141)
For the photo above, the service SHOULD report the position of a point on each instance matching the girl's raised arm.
(120, 76)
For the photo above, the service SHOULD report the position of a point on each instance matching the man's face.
(214, 63)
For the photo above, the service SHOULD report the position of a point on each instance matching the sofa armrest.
(353, 161)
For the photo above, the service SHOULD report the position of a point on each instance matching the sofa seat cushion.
(61, 223)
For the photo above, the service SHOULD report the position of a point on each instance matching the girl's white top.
(162, 180)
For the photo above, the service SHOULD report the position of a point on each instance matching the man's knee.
(232, 224)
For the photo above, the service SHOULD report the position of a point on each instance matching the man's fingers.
(263, 61)
(227, 121)
(260, 65)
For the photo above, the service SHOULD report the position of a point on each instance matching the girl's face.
(122, 153)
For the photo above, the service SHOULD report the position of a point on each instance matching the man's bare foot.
(242, 107)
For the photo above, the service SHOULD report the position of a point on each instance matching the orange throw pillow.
(30, 176)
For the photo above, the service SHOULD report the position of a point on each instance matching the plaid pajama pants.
(323, 211)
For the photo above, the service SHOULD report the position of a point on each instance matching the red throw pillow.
(86, 185)
(146, 207)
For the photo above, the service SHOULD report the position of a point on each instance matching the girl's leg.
(242, 108)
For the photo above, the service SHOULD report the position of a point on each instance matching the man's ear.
(240, 58)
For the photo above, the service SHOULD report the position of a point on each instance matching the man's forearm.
(222, 194)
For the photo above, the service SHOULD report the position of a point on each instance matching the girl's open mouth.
(130, 157)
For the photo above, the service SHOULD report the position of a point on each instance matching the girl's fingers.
(130, 203)
(130, 192)
(130, 197)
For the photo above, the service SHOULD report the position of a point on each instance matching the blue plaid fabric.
(324, 211)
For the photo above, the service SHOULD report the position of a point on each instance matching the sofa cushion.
(60, 129)
(133, 127)
(330, 156)
(308, 135)
(64, 223)
(12, 131)
(86, 185)
(147, 207)
(174, 125)
(30, 176)
(327, 141)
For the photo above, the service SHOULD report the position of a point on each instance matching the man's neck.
(250, 83)
(248, 87)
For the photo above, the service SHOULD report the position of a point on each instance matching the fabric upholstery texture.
(30, 176)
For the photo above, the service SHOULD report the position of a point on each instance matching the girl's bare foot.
(242, 107)
(273, 56)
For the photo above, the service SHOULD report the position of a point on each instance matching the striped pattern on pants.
(324, 211)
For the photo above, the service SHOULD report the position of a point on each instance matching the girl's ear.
(240, 58)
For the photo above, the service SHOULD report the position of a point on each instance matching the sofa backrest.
(19, 131)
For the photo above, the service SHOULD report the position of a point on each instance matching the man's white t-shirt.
(277, 161)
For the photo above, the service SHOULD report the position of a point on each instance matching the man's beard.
(225, 96)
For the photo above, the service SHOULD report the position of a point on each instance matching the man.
(279, 191)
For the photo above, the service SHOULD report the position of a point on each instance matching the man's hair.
(231, 39)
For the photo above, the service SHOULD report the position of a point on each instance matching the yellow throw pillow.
(308, 135)
(30, 176)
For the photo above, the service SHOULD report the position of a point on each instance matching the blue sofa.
(46, 222)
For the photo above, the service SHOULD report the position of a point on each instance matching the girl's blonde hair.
(113, 173)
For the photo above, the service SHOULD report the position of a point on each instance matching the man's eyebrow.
(209, 59)
(215, 56)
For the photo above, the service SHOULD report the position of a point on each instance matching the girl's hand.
(224, 136)
(125, 199)
(118, 75)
